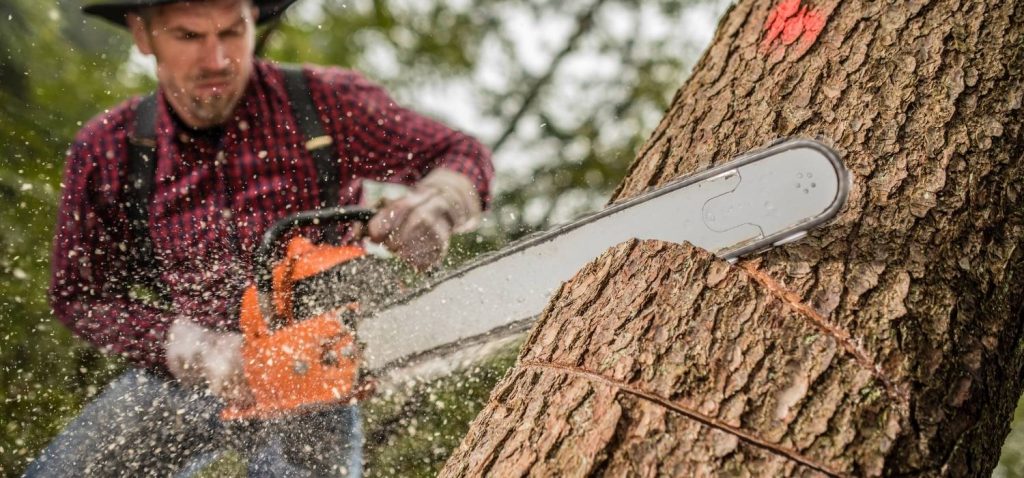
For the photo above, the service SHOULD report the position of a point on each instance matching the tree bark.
(887, 343)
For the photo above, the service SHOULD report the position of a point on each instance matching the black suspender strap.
(142, 151)
(318, 142)
(139, 180)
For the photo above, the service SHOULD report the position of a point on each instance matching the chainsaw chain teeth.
(352, 287)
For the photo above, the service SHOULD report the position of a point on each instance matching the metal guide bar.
(749, 204)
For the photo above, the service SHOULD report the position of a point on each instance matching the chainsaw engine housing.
(304, 356)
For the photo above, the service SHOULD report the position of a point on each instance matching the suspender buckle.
(318, 142)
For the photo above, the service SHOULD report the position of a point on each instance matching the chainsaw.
(313, 340)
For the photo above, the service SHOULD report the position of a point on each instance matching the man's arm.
(385, 142)
(92, 266)
(95, 265)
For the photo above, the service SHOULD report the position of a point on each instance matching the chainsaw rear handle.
(266, 255)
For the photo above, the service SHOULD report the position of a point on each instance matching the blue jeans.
(143, 424)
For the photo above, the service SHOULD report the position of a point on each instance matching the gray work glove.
(199, 356)
(418, 226)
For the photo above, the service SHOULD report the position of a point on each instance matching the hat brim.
(115, 12)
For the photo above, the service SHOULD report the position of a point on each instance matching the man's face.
(204, 55)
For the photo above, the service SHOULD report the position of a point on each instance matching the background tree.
(887, 343)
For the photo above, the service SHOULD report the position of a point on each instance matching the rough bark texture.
(661, 359)
(886, 343)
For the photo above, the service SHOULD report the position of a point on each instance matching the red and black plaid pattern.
(214, 195)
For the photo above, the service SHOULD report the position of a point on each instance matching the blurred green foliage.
(1011, 462)
(44, 59)
(567, 91)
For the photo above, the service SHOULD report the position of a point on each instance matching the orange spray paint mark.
(790, 23)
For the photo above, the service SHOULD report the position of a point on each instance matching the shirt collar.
(173, 126)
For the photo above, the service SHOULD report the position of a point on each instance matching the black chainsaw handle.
(266, 255)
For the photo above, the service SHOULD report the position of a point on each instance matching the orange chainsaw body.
(294, 364)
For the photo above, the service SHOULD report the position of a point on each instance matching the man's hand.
(198, 356)
(418, 226)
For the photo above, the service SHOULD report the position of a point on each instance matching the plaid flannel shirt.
(215, 194)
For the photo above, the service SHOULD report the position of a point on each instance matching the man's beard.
(212, 110)
(213, 107)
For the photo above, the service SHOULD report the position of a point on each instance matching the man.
(229, 162)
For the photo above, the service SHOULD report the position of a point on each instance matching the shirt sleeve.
(386, 142)
(92, 265)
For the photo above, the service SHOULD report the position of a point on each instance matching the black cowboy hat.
(115, 11)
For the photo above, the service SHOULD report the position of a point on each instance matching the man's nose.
(215, 56)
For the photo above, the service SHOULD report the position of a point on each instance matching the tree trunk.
(885, 343)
